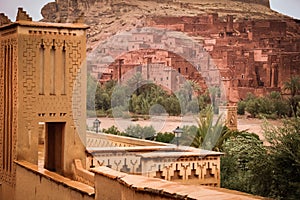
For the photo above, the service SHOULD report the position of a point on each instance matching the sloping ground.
(106, 18)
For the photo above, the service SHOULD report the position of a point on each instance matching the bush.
(252, 107)
(138, 131)
(241, 107)
(271, 106)
(164, 137)
(101, 113)
(113, 130)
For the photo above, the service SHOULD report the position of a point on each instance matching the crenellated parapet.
(4, 19)
(22, 15)
(40, 64)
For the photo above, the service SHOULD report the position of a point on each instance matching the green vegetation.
(164, 137)
(293, 86)
(137, 131)
(248, 165)
(272, 170)
(272, 106)
(115, 100)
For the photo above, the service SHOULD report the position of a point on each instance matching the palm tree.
(196, 87)
(210, 135)
(136, 82)
(294, 87)
(214, 93)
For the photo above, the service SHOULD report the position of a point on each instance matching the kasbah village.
(150, 99)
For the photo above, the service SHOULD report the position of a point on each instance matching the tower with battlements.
(42, 79)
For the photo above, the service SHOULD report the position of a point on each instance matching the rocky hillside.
(107, 17)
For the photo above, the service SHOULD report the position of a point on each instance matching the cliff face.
(254, 48)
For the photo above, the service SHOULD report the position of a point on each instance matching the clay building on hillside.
(163, 68)
(239, 55)
(255, 56)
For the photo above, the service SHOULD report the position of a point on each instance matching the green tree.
(91, 90)
(215, 93)
(136, 81)
(242, 154)
(102, 99)
(280, 105)
(294, 87)
(284, 155)
(172, 105)
(252, 106)
(193, 106)
(120, 97)
(272, 170)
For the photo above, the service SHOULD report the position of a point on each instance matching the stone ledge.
(60, 180)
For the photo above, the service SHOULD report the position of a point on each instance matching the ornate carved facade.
(41, 74)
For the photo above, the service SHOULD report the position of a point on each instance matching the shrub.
(101, 113)
(271, 106)
(252, 107)
(113, 130)
(164, 137)
(241, 107)
(138, 131)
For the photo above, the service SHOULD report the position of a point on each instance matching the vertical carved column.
(8, 109)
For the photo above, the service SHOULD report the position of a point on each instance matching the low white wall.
(109, 140)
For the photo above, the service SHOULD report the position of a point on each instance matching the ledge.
(170, 189)
(156, 151)
(126, 140)
(60, 180)
(45, 25)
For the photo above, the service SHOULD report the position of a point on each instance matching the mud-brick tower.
(42, 79)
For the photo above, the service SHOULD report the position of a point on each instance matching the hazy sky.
(33, 7)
